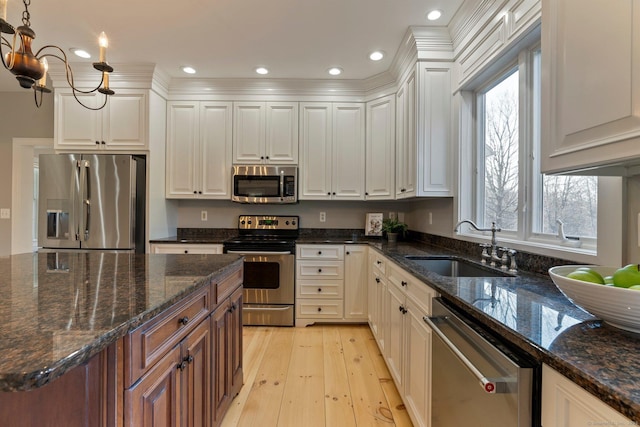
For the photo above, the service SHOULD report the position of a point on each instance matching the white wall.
(19, 118)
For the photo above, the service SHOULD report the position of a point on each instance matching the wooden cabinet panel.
(235, 336)
(147, 344)
(380, 149)
(355, 282)
(197, 355)
(329, 252)
(227, 285)
(221, 393)
(154, 400)
(186, 248)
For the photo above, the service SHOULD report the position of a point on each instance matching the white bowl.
(619, 307)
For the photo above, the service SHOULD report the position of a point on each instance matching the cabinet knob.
(319, 252)
(186, 251)
(329, 193)
(199, 192)
(319, 309)
(103, 143)
(188, 359)
(403, 283)
(377, 280)
(267, 157)
(261, 157)
(182, 365)
(183, 321)
(334, 193)
(97, 142)
(348, 253)
(378, 262)
(400, 308)
(319, 289)
(195, 192)
(366, 193)
(319, 270)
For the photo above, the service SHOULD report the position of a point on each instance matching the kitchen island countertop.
(61, 308)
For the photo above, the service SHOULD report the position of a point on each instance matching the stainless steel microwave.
(264, 184)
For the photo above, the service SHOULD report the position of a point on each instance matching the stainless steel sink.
(454, 267)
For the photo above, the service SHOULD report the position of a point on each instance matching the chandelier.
(31, 70)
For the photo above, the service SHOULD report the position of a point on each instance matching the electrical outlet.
(430, 218)
(203, 215)
(5, 213)
(323, 216)
(392, 215)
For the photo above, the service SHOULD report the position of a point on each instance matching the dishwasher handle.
(489, 385)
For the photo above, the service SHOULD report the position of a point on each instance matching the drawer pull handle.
(182, 365)
(403, 283)
(183, 321)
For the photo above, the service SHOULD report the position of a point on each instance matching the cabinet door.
(182, 168)
(565, 404)
(214, 155)
(221, 354)
(590, 84)
(281, 146)
(77, 127)
(196, 353)
(395, 338)
(316, 123)
(406, 142)
(417, 392)
(248, 132)
(380, 149)
(355, 282)
(348, 152)
(155, 399)
(434, 130)
(235, 344)
(125, 121)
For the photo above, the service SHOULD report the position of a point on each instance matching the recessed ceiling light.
(262, 70)
(434, 15)
(189, 70)
(81, 53)
(376, 56)
(335, 71)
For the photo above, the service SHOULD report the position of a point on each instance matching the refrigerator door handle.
(87, 201)
(83, 202)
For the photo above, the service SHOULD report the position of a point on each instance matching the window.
(508, 186)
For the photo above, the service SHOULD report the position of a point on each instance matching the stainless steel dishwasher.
(474, 383)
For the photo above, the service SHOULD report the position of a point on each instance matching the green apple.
(626, 276)
(608, 280)
(586, 276)
(634, 287)
(594, 272)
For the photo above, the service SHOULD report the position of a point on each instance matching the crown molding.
(124, 76)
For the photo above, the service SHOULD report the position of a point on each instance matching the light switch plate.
(5, 213)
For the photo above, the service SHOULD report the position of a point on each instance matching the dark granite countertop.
(529, 311)
(61, 308)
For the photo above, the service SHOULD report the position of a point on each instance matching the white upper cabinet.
(380, 149)
(406, 143)
(265, 132)
(121, 125)
(332, 151)
(590, 85)
(198, 150)
(434, 130)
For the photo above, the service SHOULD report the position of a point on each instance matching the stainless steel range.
(268, 245)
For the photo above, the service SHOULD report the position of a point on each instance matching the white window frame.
(605, 250)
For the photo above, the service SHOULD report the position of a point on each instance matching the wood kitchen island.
(114, 339)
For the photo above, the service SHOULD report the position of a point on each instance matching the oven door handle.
(259, 252)
(490, 385)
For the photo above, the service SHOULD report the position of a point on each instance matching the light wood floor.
(315, 376)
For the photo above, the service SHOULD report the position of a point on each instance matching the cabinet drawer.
(320, 270)
(320, 289)
(147, 344)
(227, 285)
(418, 291)
(319, 309)
(333, 252)
(379, 263)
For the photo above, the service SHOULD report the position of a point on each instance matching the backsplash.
(533, 263)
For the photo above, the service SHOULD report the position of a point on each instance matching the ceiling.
(294, 39)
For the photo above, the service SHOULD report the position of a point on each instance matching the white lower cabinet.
(331, 284)
(185, 248)
(565, 404)
(395, 317)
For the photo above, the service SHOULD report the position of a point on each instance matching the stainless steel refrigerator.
(92, 201)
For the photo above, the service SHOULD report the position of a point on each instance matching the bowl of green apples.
(610, 293)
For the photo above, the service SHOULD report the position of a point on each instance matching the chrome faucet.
(494, 244)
